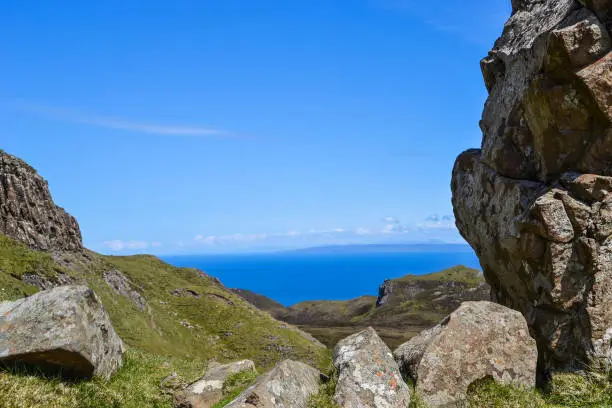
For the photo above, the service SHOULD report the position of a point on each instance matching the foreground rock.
(367, 374)
(64, 330)
(27, 211)
(535, 202)
(478, 340)
(289, 384)
(208, 390)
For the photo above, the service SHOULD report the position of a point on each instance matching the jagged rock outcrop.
(289, 384)
(208, 390)
(65, 329)
(534, 203)
(445, 294)
(368, 376)
(122, 286)
(27, 211)
(478, 340)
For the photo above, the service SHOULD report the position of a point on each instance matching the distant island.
(374, 248)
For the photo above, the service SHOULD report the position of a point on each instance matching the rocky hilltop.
(27, 211)
(534, 202)
(70, 311)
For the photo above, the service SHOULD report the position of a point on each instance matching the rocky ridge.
(28, 213)
(67, 311)
(534, 202)
(404, 306)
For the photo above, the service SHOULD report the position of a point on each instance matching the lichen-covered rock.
(534, 202)
(289, 384)
(478, 340)
(27, 211)
(368, 376)
(65, 330)
(208, 390)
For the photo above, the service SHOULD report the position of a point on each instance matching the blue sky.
(235, 125)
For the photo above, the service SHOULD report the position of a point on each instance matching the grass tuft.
(135, 385)
(234, 385)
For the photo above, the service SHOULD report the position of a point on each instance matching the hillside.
(171, 319)
(404, 307)
(163, 310)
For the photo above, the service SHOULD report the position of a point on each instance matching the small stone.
(290, 384)
(208, 390)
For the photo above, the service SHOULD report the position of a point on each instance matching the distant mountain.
(404, 306)
(384, 248)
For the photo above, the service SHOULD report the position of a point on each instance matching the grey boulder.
(478, 340)
(368, 376)
(208, 390)
(288, 385)
(65, 329)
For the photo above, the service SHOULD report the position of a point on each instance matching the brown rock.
(535, 203)
(597, 79)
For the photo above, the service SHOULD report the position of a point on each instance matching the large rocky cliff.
(27, 211)
(534, 201)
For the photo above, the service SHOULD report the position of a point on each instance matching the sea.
(292, 277)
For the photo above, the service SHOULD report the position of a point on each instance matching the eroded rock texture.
(478, 340)
(27, 211)
(289, 384)
(535, 202)
(368, 376)
(64, 330)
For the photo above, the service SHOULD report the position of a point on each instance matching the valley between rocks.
(79, 329)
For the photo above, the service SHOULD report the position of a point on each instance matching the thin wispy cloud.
(456, 18)
(391, 228)
(120, 245)
(69, 115)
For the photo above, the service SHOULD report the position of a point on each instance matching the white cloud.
(69, 115)
(393, 230)
(230, 238)
(119, 245)
(363, 231)
(438, 222)
(393, 226)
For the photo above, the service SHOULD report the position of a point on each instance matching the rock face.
(208, 390)
(27, 211)
(65, 329)
(289, 384)
(534, 203)
(368, 374)
(478, 340)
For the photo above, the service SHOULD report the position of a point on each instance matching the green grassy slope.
(415, 302)
(207, 322)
